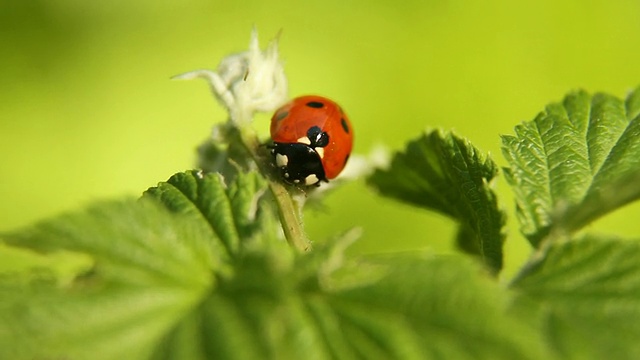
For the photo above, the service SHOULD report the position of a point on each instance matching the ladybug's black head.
(298, 163)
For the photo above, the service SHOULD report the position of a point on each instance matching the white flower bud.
(247, 82)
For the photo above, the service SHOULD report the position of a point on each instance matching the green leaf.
(406, 307)
(445, 173)
(588, 294)
(444, 302)
(124, 237)
(149, 268)
(158, 289)
(569, 165)
(234, 213)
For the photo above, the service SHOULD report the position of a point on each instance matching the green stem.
(289, 214)
(288, 211)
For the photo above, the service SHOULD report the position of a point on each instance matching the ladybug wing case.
(337, 153)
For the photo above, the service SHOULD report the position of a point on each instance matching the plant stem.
(288, 211)
(289, 214)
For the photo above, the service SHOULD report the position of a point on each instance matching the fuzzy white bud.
(247, 82)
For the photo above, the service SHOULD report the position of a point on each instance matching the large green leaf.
(450, 309)
(149, 269)
(125, 237)
(577, 161)
(401, 307)
(160, 288)
(445, 173)
(588, 296)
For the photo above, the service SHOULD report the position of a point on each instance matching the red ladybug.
(312, 140)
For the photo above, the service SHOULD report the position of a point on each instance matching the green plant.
(197, 267)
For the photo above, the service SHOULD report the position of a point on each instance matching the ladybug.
(312, 140)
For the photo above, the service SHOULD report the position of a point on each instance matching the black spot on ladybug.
(315, 104)
(281, 115)
(317, 137)
(344, 125)
(346, 159)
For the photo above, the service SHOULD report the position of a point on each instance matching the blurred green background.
(87, 110)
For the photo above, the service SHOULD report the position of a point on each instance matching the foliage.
(577, 161)
(199, 268)
(445, 173)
